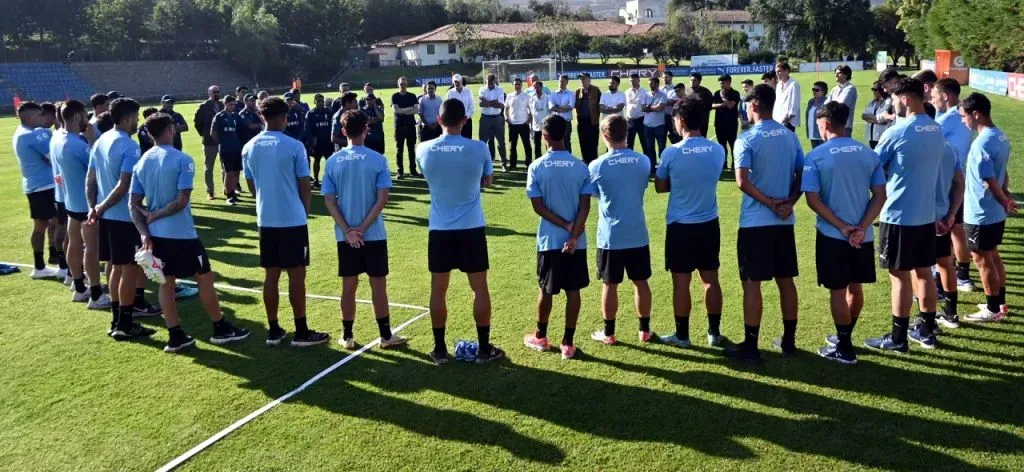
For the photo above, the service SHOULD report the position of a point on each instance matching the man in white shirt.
(517, 112)
(540, 108)
(669, 89)
(563, 102)
(787, 98)
(461, 93)
(844, 92)
(492, 119)
(654, 123)
(614, 101)
(636, 99)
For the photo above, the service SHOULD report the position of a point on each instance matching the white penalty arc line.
(177, 461)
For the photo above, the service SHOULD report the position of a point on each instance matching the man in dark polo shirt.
(405, 106)
(704, 94)
(588, 98)
(726, 104)
(180, 125)
(203, 121)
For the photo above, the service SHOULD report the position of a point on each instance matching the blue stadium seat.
(45, 81)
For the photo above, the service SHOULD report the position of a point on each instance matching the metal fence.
(38, 51)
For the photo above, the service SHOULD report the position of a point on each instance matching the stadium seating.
(41, 81)
(149, 80)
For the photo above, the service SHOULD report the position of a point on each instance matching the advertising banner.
(1015, 86)
(989, 81)
(446, 80)
(881, 60)
(714, 60)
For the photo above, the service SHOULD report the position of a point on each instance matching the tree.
(251, 40)
(531, 45)
(814, 27)
(912, 21)
(679, 47)
(634, 46)
(605, 47)
(725, 40)
(658, 46)
(386, 18)
(463, 35)
(887, 36)
(571, 45)
(988, 33)
(117, 23)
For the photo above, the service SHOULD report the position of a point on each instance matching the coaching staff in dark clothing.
(726, 105)
(180, 125)
(405, 105)
(203, 122)
(705, 95)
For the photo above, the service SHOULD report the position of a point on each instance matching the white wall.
(418, 54)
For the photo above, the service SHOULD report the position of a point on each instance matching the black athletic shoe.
(833, 354)
(132, 332)
(415, 174)
(886, 343)
(948, 321)
(228, 334)
(923, 336)
(919, 321)
(743, 352)
(400, 176)
(440, 357)
(488, 357)
(177, 345)
(275, 336)
(146, 310)
(310, 338)
(787, 349)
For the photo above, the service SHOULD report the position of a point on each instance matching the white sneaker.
(80, 297)
(349, 344)
(102, 303)
(395, 340)
(985, 316)
(1002, 308)
(45, 273)
(69, 281)
(63, 275)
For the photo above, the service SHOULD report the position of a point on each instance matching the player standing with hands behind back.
(277, 172)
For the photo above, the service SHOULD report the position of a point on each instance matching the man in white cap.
(461, 93)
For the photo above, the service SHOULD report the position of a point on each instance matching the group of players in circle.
(917, 182)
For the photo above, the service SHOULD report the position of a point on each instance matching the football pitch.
(73, 399)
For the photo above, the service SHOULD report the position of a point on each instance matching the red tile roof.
(508, 30)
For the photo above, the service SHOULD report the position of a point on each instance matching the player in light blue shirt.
(160, 192)
(949, 194)
(845, 185)
(689, 172)
(108, 181)
(558, 185)
(910, 149)
(620, 178)
(277, 172)
(32, 148)
(355, 188)
(987, 202)
(769, 163)
(455, 169)
(945, 95)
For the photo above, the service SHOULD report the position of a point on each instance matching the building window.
(649, 13)
(451, 48)
(430, 49)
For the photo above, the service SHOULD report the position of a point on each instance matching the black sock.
(39, 260)
(483, 333)
(929, 320)
(52, 252)
(140, 297)
(79, 284)
(843, 332)
(176, 332)
(609, 327)
(1002, 295)
(750, 335)
(963, 270)
(125, 320)
(645, 325)
(949, 307)
(993, 303)
(346, 329)
(300, 326)
(115, 310)
(789, 332)
(542, 330)
(61, 261)
(95, 292)
(220, 324)
(899, 329)
(274, 326)
(682, 327)
(439, 344)
(568, 337)
(714, 323)
(853, 322)
(384, 327)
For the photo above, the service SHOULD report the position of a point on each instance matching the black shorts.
(690, 247)
(322, 150)
(767, 252)
(122, 240)
(284, 248)
(41, 205)
(906, 247)
(231, 161)
(943, 246)
(371, 259)
(557, 271)
(959, 215)
(181, 257)
(984, 237)
(462, 249)
(840, 264)
(635, 262)
(80, 217)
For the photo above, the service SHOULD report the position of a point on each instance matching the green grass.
(72, 399)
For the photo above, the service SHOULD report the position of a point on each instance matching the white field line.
(177, 461)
